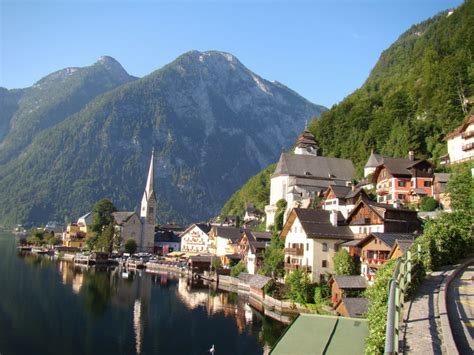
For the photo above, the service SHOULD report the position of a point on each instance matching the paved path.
(460, 303)
(421, 329)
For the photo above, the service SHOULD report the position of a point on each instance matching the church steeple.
(306, 143)
(148, 206)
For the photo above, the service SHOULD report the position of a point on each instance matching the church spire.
(150, 181)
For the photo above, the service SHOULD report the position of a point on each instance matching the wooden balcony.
(466, 135)
(294, 251)
(467, 147)
(292, 267)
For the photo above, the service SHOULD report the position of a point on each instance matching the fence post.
(409, 266)
(390, 331)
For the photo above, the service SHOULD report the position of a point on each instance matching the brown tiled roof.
(348, 282)
(316, 224)
(388, 239)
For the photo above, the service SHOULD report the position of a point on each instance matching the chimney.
(411, 155)
(333, 218)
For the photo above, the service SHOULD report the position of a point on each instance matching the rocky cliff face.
(212, 122)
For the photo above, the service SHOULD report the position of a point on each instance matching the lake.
(53, 307)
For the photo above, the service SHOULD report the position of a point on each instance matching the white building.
(195, 239)
(342, 198)
(301, 176)
(461, 143)
(312, 237)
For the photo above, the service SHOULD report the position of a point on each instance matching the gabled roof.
(403, 245)
(316, 224)
(166, 237)
(231, 233)
(350, 282)
(442, 177)
(261, 236)
(204, 227)
(398, 166)
(388, 239)
(315, 167)
(356, 306)
(122, 217)
(374, 160)
(344, 192)
(469, 120)
(259, 281)
(306, 139)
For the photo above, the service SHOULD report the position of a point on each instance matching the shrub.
(298, 286)
(322, 293)
(237, 269)
(343, 263)
(428, 204)
(130, 246)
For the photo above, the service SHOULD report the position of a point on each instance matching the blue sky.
(324, 50)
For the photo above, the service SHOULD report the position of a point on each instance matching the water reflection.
(143, 313)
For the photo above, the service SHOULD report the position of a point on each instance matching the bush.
(428, 204)
(377, 294)
(344, 263)
(237, 269)
(130, 246)
(299, 287)
(322, 293)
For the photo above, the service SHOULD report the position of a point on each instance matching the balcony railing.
(467, 147)
(294, 251)
(374, 261)
(466, 135)
(297, 267)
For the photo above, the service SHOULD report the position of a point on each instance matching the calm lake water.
(52, 307)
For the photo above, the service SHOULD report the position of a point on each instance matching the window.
(389, 197)
(324, 263)
(427, 184)
(325, 247)
(401, 196)
(402, 183)
(307, 246)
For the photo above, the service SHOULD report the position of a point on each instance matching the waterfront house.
(400, 248)
(85, 223)
(224, 240)
(195, 239)
(312, 237)
(460, 143)
(301, 176)
(342, 198)
(166, 241)
(403, 180)
(346, 286)
(200, 263)
(251, 247)
(74, 237)
(375, 251)
(369, 216)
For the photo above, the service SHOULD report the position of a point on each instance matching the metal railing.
(398, 286)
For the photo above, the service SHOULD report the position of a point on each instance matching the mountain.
(421, 88)
(51, 100)
(212, 122)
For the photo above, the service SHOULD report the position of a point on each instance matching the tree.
(273, 258)
(279, 214)
(428, 204)
(344, 263)
(461, 188)
(102, 215)
(298, 286)
(130, 246)
(107, 239)
(237, 269)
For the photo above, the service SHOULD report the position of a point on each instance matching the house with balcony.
(224, 240)
(342, 198)
(371, 217)
(195, 239)
(74, 237)
(400, 248)
(252, 246)
(312, 237)
(460, 143)
(403, 180)
(301, 176)
(376, 249)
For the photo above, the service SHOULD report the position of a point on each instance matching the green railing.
(398, 286)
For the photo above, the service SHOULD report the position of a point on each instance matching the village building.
(252, 247)
(460, 143)
(353, 307)
(440, 182)
(375, 251)
(85, 223)
(224, 240)
(403, 180)
(140, 227)
(229, 221)
(252, 213)
(55, 227)
(195, 239)
(312, 237)
(346, 286)
(301, 176)
(400, 248)
(74, 237)
(372, 163)
(342, 198)
(369, 217)
(166, 241)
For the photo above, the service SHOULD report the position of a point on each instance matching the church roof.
(150, 181)
(122, 217)
(310, 166)
(306, 139)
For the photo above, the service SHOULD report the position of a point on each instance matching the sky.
(323, 50)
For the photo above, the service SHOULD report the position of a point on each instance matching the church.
(140, 226)
(303, 175)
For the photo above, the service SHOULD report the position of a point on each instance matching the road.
(460, 299)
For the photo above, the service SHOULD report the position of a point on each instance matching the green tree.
(428, 204)
(279, 214)
(344, 263)
(237, 269)
(106, 239)
(102, 215)
(298, 286)
(273, 258)
(461, 188)
(130, 246)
